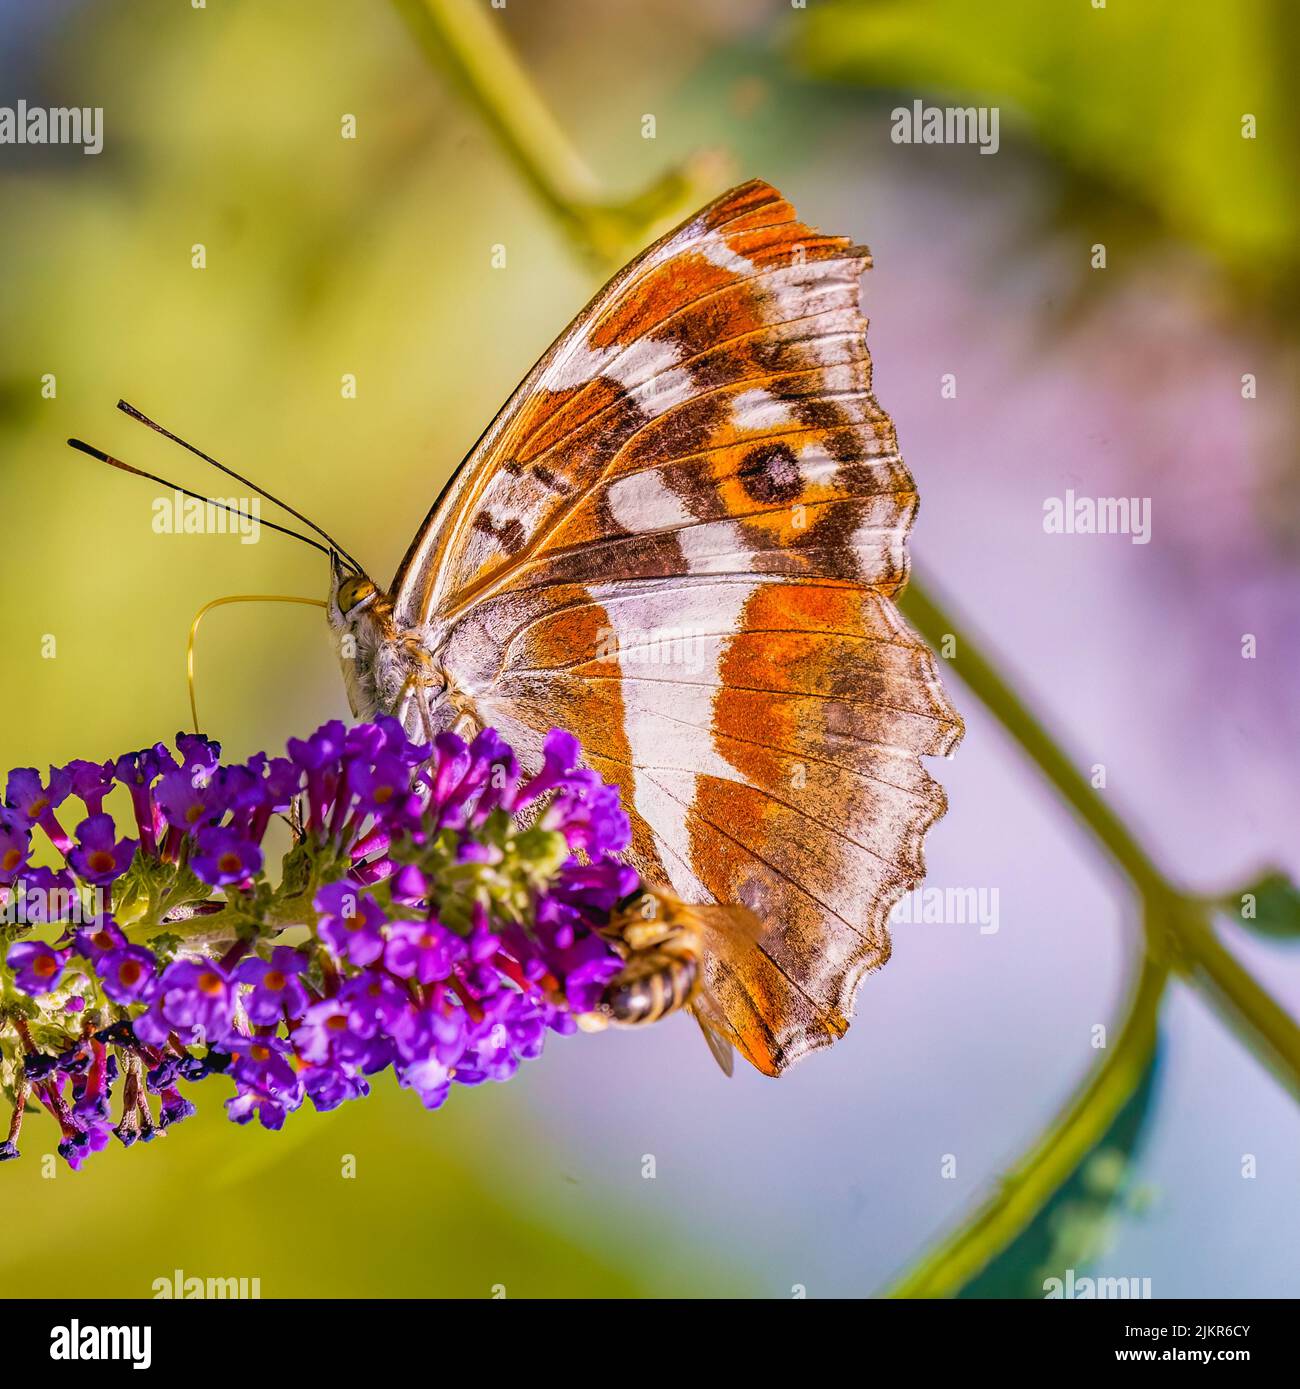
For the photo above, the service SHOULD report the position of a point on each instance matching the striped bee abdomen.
(650, 986)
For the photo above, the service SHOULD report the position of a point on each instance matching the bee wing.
(726, 930)
(713, 1024)
(728, 934)
(732, 939)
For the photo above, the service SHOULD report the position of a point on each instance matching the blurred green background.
(328, 256)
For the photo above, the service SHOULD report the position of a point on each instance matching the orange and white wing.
(680, 540)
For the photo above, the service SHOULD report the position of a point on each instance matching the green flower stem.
(464, 35)
(924, 610)
(1238, 998)
(1177, 926)
(1177, 931)
(1027, 1187)
(464, 38)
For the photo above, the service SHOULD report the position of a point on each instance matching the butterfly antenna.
(103, 457)
(221, 602)
(129, 409)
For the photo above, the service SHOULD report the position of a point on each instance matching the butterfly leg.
(398, 707)
(426, 714)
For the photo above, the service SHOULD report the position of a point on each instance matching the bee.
(664, 943)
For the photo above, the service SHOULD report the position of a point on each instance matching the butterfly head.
(359, 617)
(351, 594)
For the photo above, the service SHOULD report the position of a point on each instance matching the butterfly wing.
(680, 540)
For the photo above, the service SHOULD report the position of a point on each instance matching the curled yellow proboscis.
(221, 602)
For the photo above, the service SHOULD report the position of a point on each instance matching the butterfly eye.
(354, 591)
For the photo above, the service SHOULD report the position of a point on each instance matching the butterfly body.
(681, 540)
(387, 669)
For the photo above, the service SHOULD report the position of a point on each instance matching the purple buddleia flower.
(34, 802)
(382, 785)
(332, 1030)
(240, 790)
(278, 782)
(430, 1031)
(197, 752)
(282, 783)
(363, 742)
(591, 816)
(395, 741)
(372, 1054)
(223, 857)
(127, 974)
(47, 895)
(319, 756)
(463, 772)
(429, 1078)
(37, 967)
(560, 755)
(447, 952)
(197, 994)
(450, 763)
(95, 943)
(422, 950)
(15, 845)
(173, 1107)
(93, 1139)
(513, 1028)
(138, 771)
(595, 888)
(32, 798)
(483, 942)
(100, 858)
(350, 923)
(152, 1028)
(377, 1001)
(330, 1085)
(326, 746)
(266, 1083)
(154, 761)
(277, 990)
(409, 886)
(91, 781)
(501, 781)
(92, 1097)
(185, 798)
(248, 1102)
(584, 975)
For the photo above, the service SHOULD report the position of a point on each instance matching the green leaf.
(1138, 105)
(165, 945)
(298, 870)
(1270, 906)
(1075, 1228)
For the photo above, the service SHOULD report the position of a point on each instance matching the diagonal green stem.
(935, 624)
(1177, 931)
(1067, 1140)
(1240, 1001)
(1177, 927)
(464, 38)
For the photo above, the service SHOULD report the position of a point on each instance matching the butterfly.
(681, 540)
